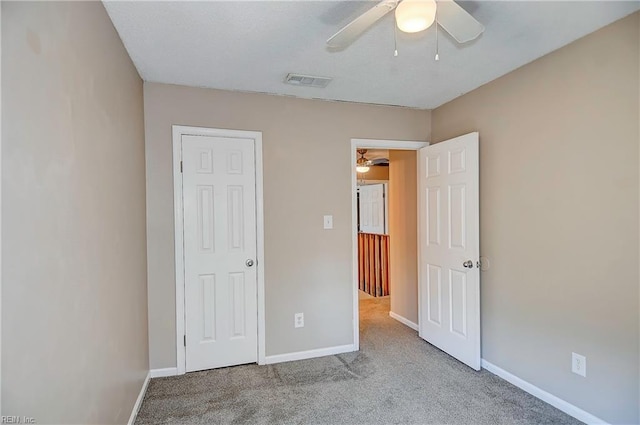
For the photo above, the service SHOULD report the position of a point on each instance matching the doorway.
(373, 223)
(448, 281)
(376, 145)
(219, 247)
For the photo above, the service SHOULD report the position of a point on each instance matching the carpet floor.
(396, 377)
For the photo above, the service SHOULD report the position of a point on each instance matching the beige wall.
(559, 218)
(403, 234)
(307, 269)
(74, 315)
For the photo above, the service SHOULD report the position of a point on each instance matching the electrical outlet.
(327, 221)
(579, 364)
(298, 320)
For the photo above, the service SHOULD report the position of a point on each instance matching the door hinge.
(185, 340)
(180, 166)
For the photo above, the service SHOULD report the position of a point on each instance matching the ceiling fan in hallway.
(412, 16)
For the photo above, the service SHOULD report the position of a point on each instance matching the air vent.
(307, 80)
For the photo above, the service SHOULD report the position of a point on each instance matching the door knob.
(249, 262)
(468, 264)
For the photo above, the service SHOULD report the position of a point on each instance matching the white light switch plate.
(328, 222)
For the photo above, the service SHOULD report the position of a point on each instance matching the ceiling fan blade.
(355, 28)
(458, 22)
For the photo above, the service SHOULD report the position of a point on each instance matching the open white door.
(449, 228)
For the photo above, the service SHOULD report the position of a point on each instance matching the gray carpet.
(395, 378)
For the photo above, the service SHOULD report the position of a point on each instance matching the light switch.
(328, 222)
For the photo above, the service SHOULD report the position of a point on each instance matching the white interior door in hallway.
(219, 216)
(449, 246)
(374, 208)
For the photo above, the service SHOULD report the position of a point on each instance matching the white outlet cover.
(328, 221)
(298, 320)
(579, 364)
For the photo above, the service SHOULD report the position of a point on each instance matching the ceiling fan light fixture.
(415, 15)
(362, 163)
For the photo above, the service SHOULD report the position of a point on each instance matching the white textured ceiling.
(253, 45)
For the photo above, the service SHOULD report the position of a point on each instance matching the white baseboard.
(556, 402)
(136, 407)
(404, 320)
(161, 373)
(302, 355)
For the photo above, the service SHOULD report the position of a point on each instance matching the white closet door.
(373, 208)
(219, 199)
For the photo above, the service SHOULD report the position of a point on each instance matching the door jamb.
(177, 132)
(377, 144)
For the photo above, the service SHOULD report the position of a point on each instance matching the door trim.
(177, 132)
(355, 144)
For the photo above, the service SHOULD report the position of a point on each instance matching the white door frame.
(178, 131)
(376, 144)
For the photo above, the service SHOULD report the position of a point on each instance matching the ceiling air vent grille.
(307, 80)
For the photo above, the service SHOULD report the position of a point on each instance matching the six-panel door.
(449, 278)
(219, 202)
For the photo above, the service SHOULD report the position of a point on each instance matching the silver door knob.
(468, 264)
(249, 262)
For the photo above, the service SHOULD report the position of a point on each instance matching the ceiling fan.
(412, 16)
(363, 164)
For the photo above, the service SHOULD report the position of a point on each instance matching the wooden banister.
(373, 264)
